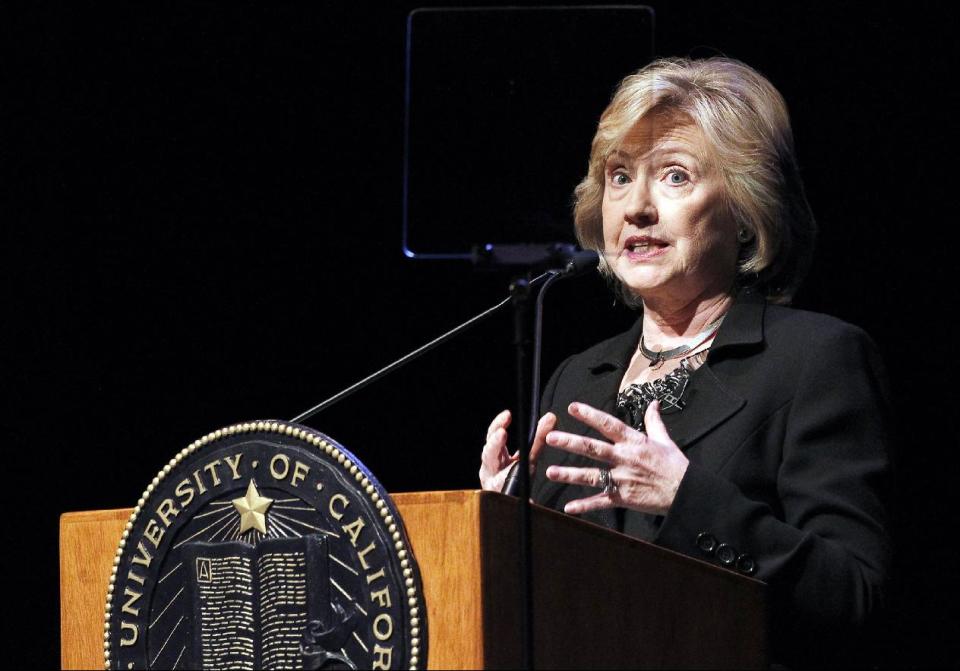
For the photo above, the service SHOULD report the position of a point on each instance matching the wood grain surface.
(442, 527)
(88, 543)
(601, 599)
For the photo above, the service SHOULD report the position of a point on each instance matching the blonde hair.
(745, 122)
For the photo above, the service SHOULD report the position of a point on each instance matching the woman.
(722, 425)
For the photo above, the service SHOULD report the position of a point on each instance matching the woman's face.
(667, 234)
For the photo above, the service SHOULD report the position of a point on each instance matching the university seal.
(265, 545)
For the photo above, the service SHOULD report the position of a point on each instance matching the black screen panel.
(502, 104)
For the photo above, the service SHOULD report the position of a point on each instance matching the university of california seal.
(265, 545)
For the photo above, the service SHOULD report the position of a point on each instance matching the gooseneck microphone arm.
(407, 358)
(537, 352)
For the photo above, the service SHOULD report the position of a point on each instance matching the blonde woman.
(723, 425)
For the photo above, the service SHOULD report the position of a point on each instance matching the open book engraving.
(254, 606)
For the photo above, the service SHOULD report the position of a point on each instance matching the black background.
(203, 227)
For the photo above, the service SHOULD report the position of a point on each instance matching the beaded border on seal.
(413, 602)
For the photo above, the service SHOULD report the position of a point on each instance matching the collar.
(743, 326)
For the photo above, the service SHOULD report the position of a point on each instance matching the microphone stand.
(520, 295)
(518, 479)
(517, 482)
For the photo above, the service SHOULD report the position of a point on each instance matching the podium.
(601, 599)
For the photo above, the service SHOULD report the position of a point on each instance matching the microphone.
(579, 262)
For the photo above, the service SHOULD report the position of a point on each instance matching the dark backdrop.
(204, 228)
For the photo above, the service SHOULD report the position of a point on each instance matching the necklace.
(633, 401)
(656, 359)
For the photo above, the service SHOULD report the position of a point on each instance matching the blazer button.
(707, 543)
(726, 554)
(746, 564)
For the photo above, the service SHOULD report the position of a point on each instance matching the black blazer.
(784, 427)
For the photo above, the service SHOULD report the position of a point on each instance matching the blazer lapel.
(709, 399)
(710, 404)
(606, 371)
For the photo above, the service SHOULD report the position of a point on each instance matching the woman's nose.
(640, 209)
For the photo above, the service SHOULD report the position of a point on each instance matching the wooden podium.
(601, 599)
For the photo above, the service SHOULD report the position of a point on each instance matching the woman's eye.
(619, 178)
(676, 177)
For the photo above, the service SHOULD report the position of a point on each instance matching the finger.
(501, 421)
(588, 477)
(605, 423)
(653, 424)
(494, 456)
(544, 426)
(588, 447)
(596, 502)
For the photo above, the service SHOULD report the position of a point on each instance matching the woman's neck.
(666, 324)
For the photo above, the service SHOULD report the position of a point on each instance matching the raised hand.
(496, 460)
(645, 468)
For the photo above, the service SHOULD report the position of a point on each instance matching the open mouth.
(643, 245)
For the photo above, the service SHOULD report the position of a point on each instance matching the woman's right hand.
(496, 460)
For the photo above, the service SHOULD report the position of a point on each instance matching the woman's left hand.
(645, 467)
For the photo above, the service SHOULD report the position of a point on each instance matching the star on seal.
(252, 509)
